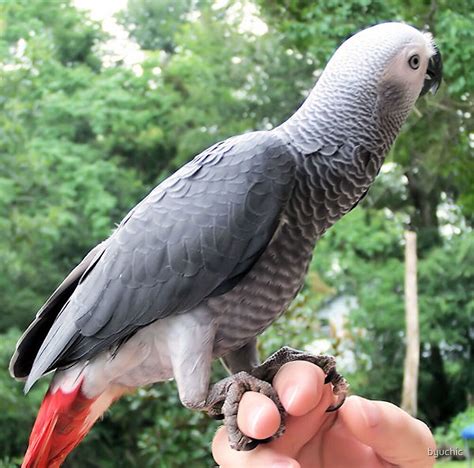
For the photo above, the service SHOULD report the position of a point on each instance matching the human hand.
(362, 433)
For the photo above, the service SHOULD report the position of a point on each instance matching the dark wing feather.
(194, 236)
(30, 342)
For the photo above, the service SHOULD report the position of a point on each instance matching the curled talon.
(340, 388)
(223, 403)
(225, 396)
(340, 401)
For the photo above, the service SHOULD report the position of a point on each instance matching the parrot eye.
(414, 61)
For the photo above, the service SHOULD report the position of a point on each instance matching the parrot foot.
(224, 397)
(223, 403)
(267, 370)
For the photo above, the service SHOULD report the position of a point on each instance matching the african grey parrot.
(215, 253)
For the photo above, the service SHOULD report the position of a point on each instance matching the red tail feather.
(61, 424)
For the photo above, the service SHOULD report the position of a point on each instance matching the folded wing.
(192, 237)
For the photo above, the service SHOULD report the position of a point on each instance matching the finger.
(299, 385)
(338, 448)
(301, 429)
(262, 456)
(394, 435)
(258, 417)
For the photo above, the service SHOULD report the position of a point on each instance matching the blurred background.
(100, 101)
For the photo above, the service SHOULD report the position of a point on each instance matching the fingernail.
(289, 397)
(370, 411)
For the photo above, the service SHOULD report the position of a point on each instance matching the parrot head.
(371, 84)
(389, 55)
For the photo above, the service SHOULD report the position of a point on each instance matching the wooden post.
(412, 356)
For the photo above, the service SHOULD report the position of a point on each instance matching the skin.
(364, 433)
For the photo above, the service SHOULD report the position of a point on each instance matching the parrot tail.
(64, 418)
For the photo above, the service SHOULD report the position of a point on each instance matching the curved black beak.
(434, 74)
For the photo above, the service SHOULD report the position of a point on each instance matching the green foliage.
(154, 24)
(62, 183)
(221, 82)
(450, 435)
(450, 464)
(70, 34)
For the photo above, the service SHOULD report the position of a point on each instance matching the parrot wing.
(192, 237)
(30, 342)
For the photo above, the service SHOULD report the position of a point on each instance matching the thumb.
(392, 433)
